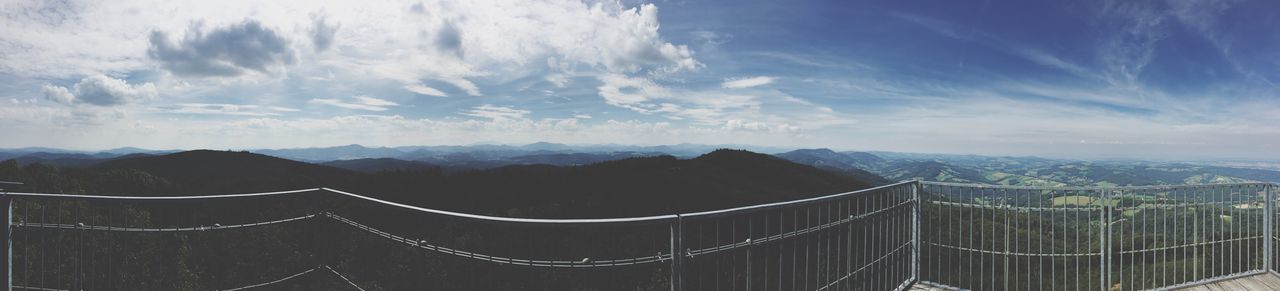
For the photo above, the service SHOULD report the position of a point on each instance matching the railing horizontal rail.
(286, 278)
(790, 203)
(157, 198)
(503, 260)
(1091, 188)
(155, 229)
(868, 265)
(1014, 208)
(1014, 253)
(1157, 249)
(794, 233)
(656, 218)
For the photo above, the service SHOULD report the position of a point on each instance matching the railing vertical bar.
(1146, 242)
(1222, 226)
(1076, 242)
(808, 245)
(1103, 232)
(781, 216)
(733, 253)
(1267, 232)
(969, 266)
(677, 257)
(6, 203)
(1030, 259)
(1180, 235)
(1039, 234)
(915, 231)
(1053, 237)
(849, 244)
(1004, 197)
(994, 236)
(1165, 237)
(1228, 255)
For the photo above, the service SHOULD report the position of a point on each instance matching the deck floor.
(925, 287)
(1255, 282)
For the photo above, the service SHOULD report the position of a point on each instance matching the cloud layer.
(1196, 77)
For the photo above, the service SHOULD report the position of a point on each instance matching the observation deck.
(911, 235)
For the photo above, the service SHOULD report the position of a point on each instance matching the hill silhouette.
(209, 172)
(627, 187)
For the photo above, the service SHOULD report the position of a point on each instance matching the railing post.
(1105, 238)
(677, 256)
(1268, 220)
(6, 202)
(915, 230)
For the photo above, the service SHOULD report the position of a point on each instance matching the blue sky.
(1084, 79)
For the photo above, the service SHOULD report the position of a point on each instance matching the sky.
(1083, 79)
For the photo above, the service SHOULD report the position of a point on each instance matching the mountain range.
(873, 167)
(1027, 171)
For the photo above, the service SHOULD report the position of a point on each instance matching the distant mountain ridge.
(870, 166)
(425, 153)
(374, 165)
(1026, 171)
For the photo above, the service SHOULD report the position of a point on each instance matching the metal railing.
(986, 237)
(329, 239)
(962, 236)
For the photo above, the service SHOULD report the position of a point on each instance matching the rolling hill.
(207, 171)
(380, 165)
(1027, 171)
(626, 187)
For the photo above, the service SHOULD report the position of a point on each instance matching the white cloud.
(359, 103)
(632, 93)
(559, 80)
(366, 100)
(99, 90)
(735, 124)
(496, 112)
(713, 107)
(223, 109)
(282, 109)
(747, 82)
(424, 90)
(582, 116)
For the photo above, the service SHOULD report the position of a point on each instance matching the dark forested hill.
(206, 171)
(627, 187)
(380, 165)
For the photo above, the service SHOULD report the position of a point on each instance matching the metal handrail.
(792, 202)
(655, 218)
(157, 198)
(621, 219)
